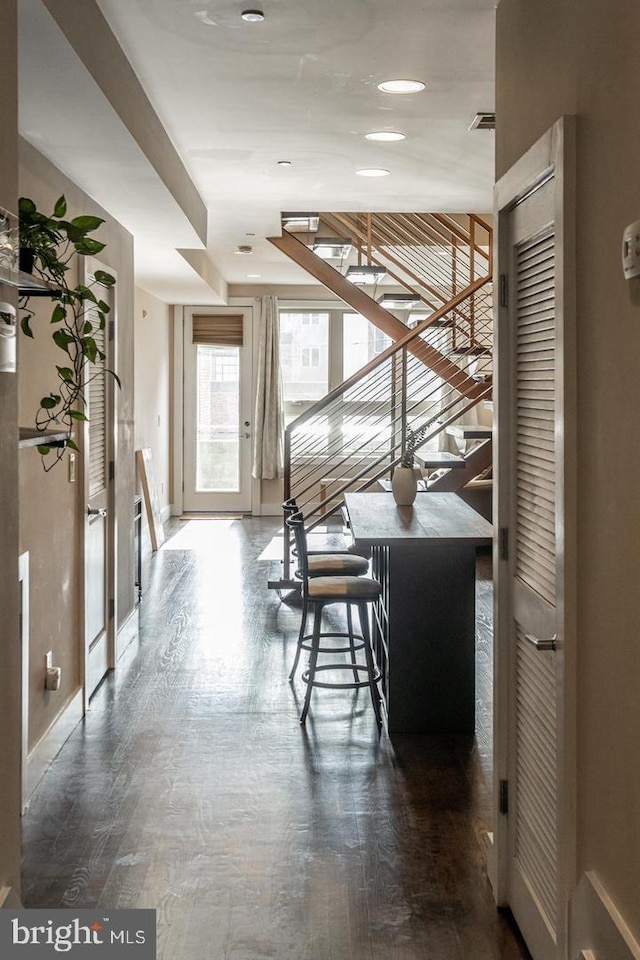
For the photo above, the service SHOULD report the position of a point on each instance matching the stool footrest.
(358, 643)
(342, 685)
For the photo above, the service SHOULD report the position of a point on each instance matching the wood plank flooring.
(191, 788)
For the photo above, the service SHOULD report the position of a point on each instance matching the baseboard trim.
(9, 899)
(48, 746)
(127, 632)
(596, 926)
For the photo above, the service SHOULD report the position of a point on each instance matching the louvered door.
(533, 818)
(98, 515)
(534, 871)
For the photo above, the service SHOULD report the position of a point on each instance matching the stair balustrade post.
(286, 548)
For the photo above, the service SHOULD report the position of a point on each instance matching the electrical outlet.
(52, 675)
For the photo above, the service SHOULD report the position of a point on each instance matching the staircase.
(427, 381)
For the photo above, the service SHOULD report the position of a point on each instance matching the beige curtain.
(268, 442)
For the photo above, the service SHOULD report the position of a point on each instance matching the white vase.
(404, 485)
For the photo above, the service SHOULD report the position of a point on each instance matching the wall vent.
(483, 121)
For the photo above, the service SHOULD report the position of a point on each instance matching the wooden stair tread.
(440, 458)
(469, 431)
(472, 352)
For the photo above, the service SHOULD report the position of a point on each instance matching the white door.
(99, 513)
(533, 474)
(217, 410)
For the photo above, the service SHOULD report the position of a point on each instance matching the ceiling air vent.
(483, 121)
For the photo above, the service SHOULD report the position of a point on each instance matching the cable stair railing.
(425, 382)
(356, 435)
(433, 256)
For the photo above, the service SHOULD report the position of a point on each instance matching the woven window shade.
(221, 330)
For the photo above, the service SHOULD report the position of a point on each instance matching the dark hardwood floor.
(191, 788)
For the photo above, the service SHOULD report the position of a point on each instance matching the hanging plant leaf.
(65, 373)
(24, 324)
(48, 403)
(87, 223)
(43, 449)
(104, 278)
(88, 246)
(77, 415)
(59, 313)
(85, 293)
(61, 207)
(90, 348)
(62, 339)
(26, 206)
(72, 445)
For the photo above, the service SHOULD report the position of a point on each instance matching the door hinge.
(504, 290)
(112, 329)
(504, 796)
(112, 608)
(504, 543)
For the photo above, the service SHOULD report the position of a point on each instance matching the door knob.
(542, 645)
(96, 512)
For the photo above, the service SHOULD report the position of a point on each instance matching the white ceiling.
(236, 97)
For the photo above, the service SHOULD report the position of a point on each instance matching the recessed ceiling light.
(253, 16)
(285, 163)
(244, 249)
(401, 86)
(386, 135)
(372, 172)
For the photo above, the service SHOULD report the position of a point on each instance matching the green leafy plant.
(409, 451)
(413, 440)
(49, 243)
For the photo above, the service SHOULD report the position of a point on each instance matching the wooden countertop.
(376, 518)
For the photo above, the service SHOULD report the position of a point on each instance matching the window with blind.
(219, 330)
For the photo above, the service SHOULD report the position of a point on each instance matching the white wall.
(153, 332)
(10, 675)
(559, 57)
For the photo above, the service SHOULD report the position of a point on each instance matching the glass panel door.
(217, 428)
(218, 418)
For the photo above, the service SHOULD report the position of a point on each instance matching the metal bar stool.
(317, 593)
(328, 563)
(334, 563)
